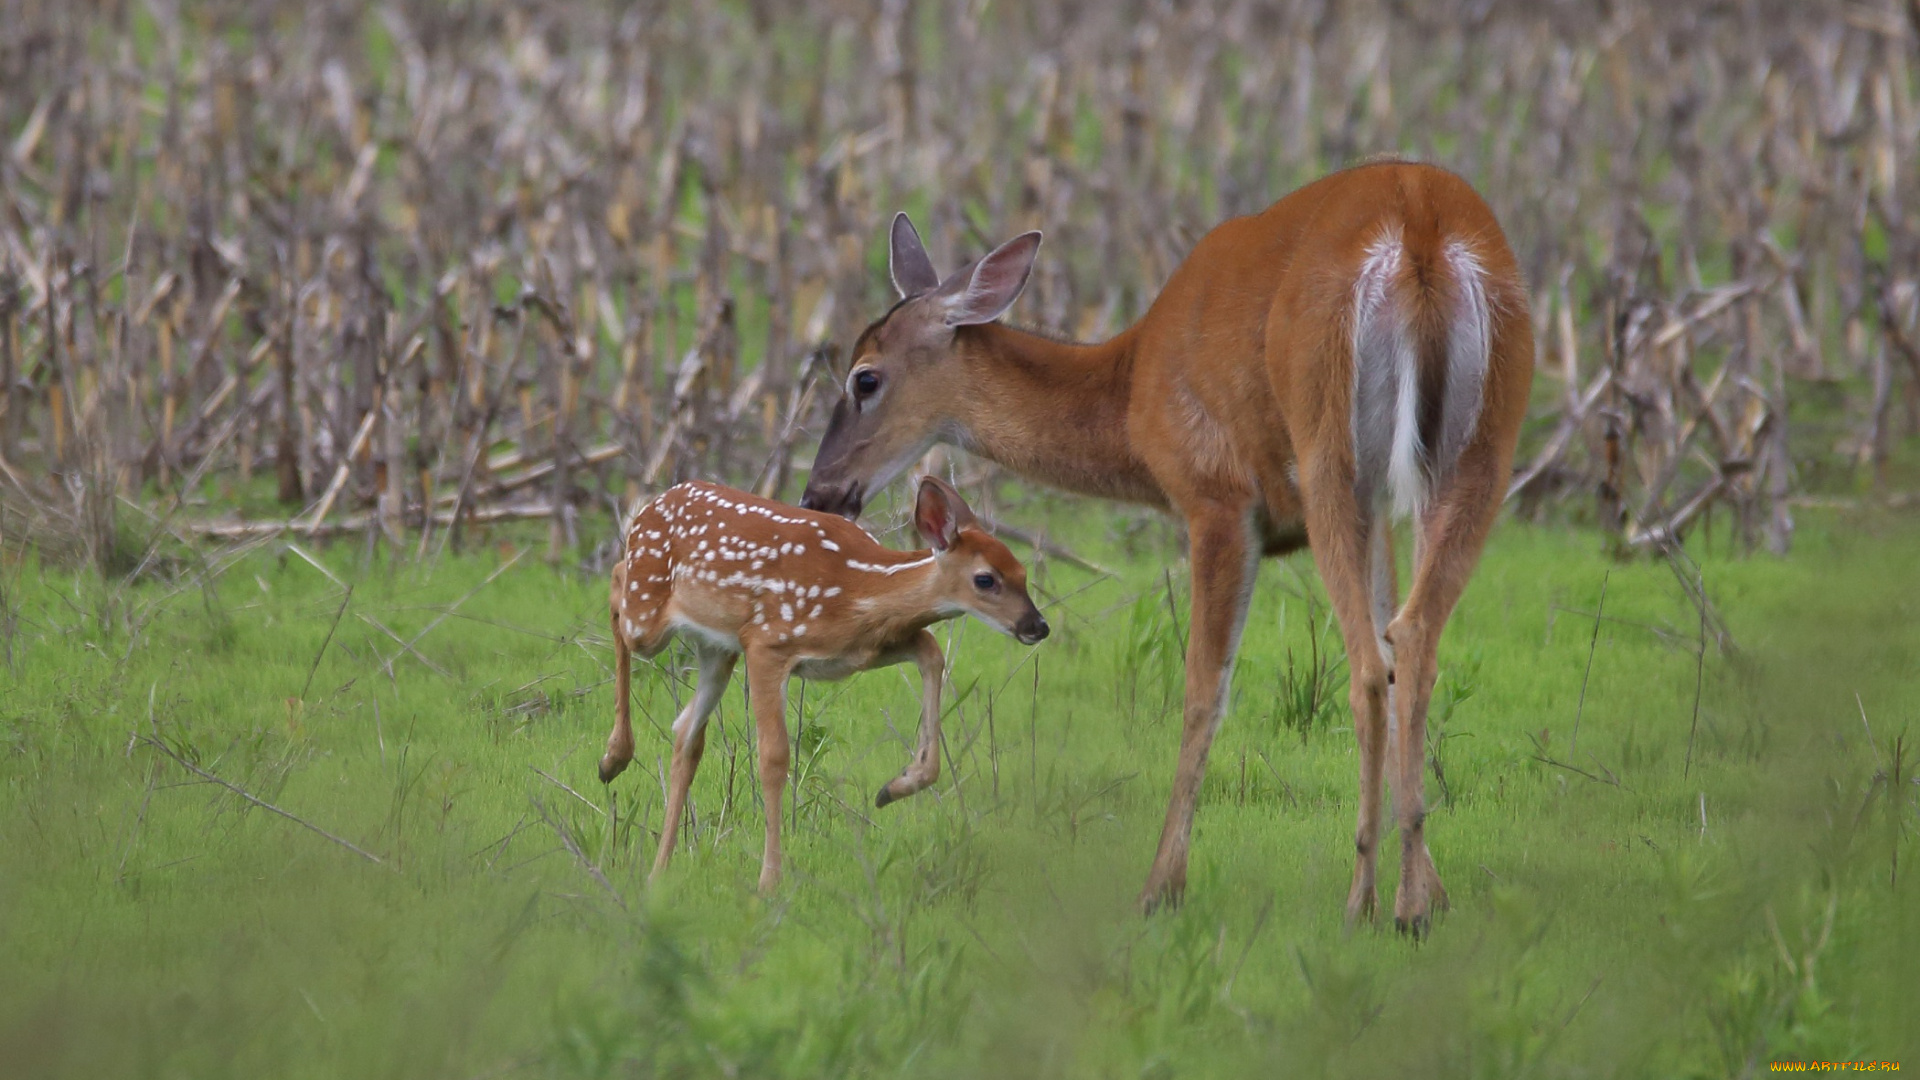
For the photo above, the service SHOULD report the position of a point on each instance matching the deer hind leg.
(1354, 554)
(647, 642)
(620, 740)
(638, 605)
(924, 769)
(1223, 558)
(767, 687)
(689, 743)
(1451, 535)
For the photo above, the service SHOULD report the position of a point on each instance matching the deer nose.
(842, 499)
(1032, 631)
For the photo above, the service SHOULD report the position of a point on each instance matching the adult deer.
(1359, 352)
(796, 591)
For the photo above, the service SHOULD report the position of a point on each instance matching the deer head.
(975, 572)
(904, 376)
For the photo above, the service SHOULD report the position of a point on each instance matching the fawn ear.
(939, 513)
(984, 291)
(907, 261)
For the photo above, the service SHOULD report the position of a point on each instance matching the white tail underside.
(1389, 478)
(1387, 450)
(1386, 431)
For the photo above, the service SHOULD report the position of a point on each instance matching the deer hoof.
(1156, 899)
(610, 767)
(886, 795)
(1360, 910)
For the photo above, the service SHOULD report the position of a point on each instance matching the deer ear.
(984, 291)
(939, 513)
(907, 260)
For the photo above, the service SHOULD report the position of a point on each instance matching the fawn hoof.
(886, 795)
(611, 767)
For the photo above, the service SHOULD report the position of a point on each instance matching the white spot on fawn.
(875, 568)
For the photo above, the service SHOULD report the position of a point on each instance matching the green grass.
(154, 924)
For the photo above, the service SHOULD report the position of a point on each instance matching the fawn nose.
(1032, 630)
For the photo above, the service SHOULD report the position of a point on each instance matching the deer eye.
(984, 582)
(865, 383)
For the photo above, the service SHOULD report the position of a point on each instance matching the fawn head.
(975, 572)
(904, 375)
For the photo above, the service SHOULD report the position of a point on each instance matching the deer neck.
(1051, 410)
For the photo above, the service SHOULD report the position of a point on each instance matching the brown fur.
(1230, 403)
(795, 591)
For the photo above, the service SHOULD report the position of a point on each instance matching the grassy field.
(367, 269)
(1623, 912)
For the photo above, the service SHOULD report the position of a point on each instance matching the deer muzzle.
(847, 500)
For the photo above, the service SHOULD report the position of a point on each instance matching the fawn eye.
(865, 383)
(984, 582)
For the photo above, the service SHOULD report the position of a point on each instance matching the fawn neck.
(901, 597)
(1052, 410)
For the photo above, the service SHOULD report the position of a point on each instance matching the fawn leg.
(620, 740)
(924, 769)
(689, 742)
(767, 686)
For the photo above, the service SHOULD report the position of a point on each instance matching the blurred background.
(402, 269)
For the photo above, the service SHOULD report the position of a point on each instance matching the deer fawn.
(797, 591)
(1359, 352)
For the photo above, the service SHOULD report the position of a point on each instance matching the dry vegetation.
(392, 271)
(397, 267)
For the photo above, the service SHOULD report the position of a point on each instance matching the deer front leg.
(689, 743)
(924, 769)
(1223, 568)
(767, 686)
